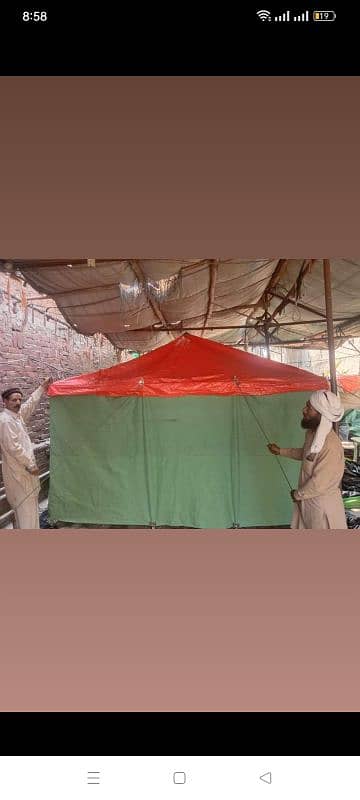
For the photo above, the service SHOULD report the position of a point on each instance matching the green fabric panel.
(97, 463)
(197, 462)
(188, 446)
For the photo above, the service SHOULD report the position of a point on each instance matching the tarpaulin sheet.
(112, 298)
(349, 390)
(197, 462)
(192, 366)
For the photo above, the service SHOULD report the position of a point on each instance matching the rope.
(267, 441)
(33, 491)
(277, 457)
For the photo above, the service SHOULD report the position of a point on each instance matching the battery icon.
(324, 16)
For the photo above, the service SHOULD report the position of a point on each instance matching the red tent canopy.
(349, 383)
(191, 365)
(349, 387)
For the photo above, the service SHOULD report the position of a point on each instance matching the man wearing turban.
(318, 500)
(20, 472)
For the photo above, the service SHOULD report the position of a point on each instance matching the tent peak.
(191, 365)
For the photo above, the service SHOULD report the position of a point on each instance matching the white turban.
(331, 410)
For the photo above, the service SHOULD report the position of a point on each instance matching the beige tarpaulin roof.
(134, 302)
(349, 400)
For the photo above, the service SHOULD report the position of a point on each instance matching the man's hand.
(293, 493)
(274, 449)
(45, 384)
(33, 470)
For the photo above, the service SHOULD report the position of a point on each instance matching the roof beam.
(138, 270)
(300, 305)
(294, 289)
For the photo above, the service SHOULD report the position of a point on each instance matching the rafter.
(140, 274)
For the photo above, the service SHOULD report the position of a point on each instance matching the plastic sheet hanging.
(137, 293)
(351, 477)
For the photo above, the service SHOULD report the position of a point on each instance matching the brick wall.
(36, 342)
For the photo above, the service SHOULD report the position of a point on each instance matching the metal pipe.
(41, 478)
(10, 514)
(39, 446)
(156, 328)
(267, 336)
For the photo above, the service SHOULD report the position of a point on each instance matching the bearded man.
(318, 500)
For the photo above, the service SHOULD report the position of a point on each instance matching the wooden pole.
(267, 343)
(267, 336)
(330, 325)
(330, 331)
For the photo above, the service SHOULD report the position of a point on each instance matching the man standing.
(318, 498)
(20, 472)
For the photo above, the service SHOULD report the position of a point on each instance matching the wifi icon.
(263, 15)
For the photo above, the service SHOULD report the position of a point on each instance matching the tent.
(177, 438)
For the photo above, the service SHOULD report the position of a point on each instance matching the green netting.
(197, 462)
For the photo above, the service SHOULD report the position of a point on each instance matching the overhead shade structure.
(177, 438)
(140, 304)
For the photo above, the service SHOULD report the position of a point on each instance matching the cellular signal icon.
(263, 15)
(285, 17)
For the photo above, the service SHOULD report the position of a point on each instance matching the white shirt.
(16, 447)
